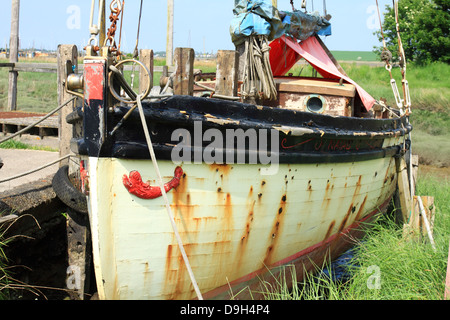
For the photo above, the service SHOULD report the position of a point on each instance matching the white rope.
(35, 170)
(37, 122)
(166, 200)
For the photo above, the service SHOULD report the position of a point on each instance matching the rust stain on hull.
(275, 232)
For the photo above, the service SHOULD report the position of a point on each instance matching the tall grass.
(429, 85)
(407, 270)
(4, 277)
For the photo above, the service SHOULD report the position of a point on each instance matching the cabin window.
(315, 103)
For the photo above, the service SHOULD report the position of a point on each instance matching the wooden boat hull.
(235, 223)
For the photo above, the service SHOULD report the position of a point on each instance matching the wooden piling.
(404, 193)
(227, 73)
(416, 228)
(65, 53)
(146, 57)
(183, 82)
(13, 54)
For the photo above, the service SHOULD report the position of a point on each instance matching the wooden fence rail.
(52, 67)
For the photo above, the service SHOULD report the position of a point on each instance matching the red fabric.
(285, 52)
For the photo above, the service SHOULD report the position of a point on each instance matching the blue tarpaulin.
(255, 17)
(260, 17)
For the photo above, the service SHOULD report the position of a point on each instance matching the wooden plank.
(7, 65)
(183, 82)
(227, 73)
(416, 229)
(146, 57)
(51, 122)
(315, 86)
(403, 188)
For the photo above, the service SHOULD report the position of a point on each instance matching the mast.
(169, 46)
(13, 54)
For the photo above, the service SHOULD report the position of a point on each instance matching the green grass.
(37, 92)
(14, 144)
(430, 97)
(355, 55)
(407, 270)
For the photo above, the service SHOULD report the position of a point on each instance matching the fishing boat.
(208, 189)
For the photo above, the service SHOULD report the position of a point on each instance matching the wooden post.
(227, 73)
(169, 46)
(146, 57)
(403, 189)
(183, 82)
(13, 54)
(65, 53)
(78, 233)
(417, 225)
(79, 252)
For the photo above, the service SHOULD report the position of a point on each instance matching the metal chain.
(116, 9)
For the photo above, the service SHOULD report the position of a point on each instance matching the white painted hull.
(234, 222)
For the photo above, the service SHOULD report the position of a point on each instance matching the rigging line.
(37, 169)
(166, 200)
(381, 25)
(121, 23)
(388, 54)
(135, 53)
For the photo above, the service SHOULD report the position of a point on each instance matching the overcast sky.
(200, 24)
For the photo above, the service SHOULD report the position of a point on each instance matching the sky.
(199, 24)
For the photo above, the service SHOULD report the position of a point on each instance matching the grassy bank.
(430, 97)
(386, 266)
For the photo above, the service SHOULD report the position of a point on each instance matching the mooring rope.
(166, 200)
(37, 169)
(28, 128)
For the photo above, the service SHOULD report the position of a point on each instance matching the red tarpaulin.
(285, 52)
